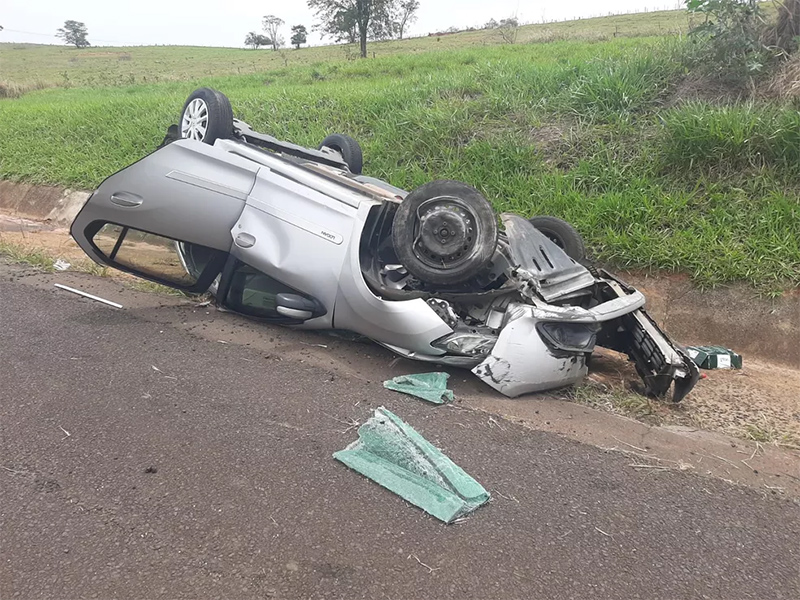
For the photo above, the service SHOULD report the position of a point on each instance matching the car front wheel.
(563, 235)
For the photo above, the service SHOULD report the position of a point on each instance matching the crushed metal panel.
(540, 262)
(392, 454)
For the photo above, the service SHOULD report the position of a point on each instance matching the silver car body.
(308, 226)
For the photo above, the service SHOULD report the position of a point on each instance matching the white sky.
(215, 23)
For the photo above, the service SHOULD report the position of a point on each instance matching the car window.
(253, 293)
(152, 255)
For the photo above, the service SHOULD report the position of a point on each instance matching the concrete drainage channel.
(52, 204)
(763, 331)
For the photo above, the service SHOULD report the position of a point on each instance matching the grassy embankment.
(585, 129)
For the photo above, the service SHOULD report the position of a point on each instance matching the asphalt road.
(210, 476)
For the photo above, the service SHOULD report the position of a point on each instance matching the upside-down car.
(298, 236)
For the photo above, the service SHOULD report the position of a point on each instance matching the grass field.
(29, 66)
(587, 129)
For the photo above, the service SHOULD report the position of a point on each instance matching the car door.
(168, 218)
(297, 238)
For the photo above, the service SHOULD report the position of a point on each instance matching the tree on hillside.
(299, 35)
(255, 40)
(508, 29)
(342, 28)
(405, 15)
(343, 19)
(271, 24)
(75, 33)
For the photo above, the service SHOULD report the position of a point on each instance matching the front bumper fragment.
(522, 361)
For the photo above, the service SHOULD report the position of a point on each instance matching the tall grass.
(732, 138)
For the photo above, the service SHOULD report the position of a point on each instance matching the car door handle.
(126, 199)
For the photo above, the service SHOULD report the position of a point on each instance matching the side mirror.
(298, 307)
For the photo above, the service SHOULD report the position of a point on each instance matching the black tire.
(563, 235)
(444, 232)
(348, 148)
(206, 116)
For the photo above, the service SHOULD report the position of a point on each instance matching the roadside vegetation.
(656, 169)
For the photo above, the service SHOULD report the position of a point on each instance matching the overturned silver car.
(298, 236)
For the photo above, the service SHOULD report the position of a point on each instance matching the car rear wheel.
(348, 148)
(207, 116)
(444, 232)
(563, 235)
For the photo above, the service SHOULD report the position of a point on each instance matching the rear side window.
(153, 256)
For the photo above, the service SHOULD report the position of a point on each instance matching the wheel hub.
(446, 235)
(194, 123)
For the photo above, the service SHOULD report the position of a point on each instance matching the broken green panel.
(392, 454)
(715, 357)
(722, 358)
(697, 354)
(428, 386)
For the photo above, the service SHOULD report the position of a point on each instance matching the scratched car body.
(291, 235)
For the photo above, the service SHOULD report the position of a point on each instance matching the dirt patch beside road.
(759, 402)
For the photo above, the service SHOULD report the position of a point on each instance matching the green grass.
(35, 257)
(43, 258)
(31, 66)
(581, 129)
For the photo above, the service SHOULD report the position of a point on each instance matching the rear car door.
(168, 218)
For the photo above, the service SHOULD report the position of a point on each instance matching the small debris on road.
(428, 386)
(604, 533)
(61, 265)
(430, 569)
(87, 295)
(392, 454)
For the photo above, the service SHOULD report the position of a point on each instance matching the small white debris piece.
(86, 295)
(61, 265)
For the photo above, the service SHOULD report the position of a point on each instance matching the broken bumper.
(543, 347)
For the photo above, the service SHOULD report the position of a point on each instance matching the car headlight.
(572, 337)
(467, 344)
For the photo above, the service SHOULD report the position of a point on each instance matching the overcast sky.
(225, 23)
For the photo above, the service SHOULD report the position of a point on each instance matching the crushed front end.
(566, 310)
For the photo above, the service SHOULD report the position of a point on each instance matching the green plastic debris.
(392, 454)
(428, 386)
(714, 357)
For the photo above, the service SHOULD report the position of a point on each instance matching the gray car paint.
(190, 208)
